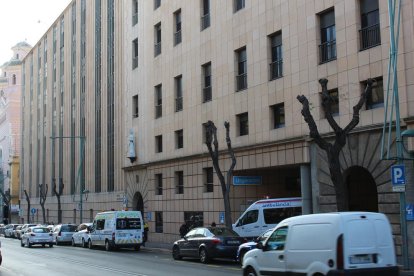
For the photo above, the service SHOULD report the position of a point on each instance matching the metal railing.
(177, 37)
(370, 36)
(158, 111)
(241, 82)
(178, 104)
(207, 94)
(157, 49)
(205, 21)
(134, 19)
(276, 69)
(327, 51)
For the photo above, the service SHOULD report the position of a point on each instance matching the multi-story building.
(10, 92)
(139, 80)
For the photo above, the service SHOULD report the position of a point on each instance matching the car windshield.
(128, 223)
(68, 228)
(40, 230)
(222, 231)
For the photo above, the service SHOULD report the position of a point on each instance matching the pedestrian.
(146, 230)
(213, 224)
(184, 229)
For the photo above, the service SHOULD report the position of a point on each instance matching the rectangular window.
(334, 101)
(179, 139)
(204, 133)
(135, 106)
(178, 93)
(243, 122)
(158, 143)
(134, 12)
(208, 180)
(194, 219)
(157, 4)
(179, 182)
(157, 39)
(238, 5)
(159, 222)
(376, 99)
(276, 63)
(177, 34)
(370, 34)
(206, 82)
(158, 101)
(278, 112)
(327, 48)
(135, 53)
(158, 184)
(205, 14)
(241, 77)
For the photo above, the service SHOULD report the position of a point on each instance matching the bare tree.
(58, 194)
(6, 201)
(43, 188)
(211, 140)
(333, 150)
(28, 206)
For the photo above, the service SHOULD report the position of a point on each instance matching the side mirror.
(260, 246)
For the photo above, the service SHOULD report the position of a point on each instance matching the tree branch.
(326, 104)
(231, 152)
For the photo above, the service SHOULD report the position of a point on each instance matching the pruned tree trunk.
(6, 201)
(43, 188)
(211, 140)
(28, 206)
(333, 150)
(58, 194)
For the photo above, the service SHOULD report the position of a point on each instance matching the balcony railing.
(370, 36)
(207, 94)
(241, 82)
(157, 49)
(158, 111)
(177, 37)
(327, 51)
(178, 104)
(205, 21)
(134, 19)
(134, 62)
(276, 69)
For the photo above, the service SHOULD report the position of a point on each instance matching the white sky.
(26, 20)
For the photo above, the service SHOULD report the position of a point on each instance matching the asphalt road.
(68, 260)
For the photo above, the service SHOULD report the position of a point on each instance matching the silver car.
(82, 234)
(37, 235)
(63, 233)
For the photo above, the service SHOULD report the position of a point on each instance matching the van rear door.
(128, 231)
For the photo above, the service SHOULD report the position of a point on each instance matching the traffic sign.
(410, 212)
(221, 217)
(398, 174)
(33, 211)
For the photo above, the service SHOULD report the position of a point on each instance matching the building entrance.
(138, 203)
(362, 190)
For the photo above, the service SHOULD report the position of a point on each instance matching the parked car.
(9, 231)
(247, 246)
(16, 231)
(37, 235)
(342, 243)
(82, 234)
(25, 227)
(63, 233)
(2, 227)
(208, 243)
(1, 257)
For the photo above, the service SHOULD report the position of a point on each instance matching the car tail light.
(216, 241)
(340, 252)
(50, 234)
(32, 235)
(113, 236)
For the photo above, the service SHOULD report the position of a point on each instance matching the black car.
(208, 243)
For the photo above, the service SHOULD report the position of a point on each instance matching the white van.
(116, 229)
(266, 214)
(347, 243)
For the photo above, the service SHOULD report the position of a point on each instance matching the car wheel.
(73, 242)
(84, 244)
(249, 272)
(137, 248)
(90, 246)
(43, 245)
(57, 243)
(176, 253)
(241, 257)
(50, 244)
(21, 243)
(108, 247)
(28, 243)
(204, 258)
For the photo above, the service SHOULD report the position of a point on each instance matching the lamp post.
(80, 170)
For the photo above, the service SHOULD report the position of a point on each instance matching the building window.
(135, 53)
(205, 14)
(276, 64)
(376, 99)
(177, 34)
(179, 139)
(238, 5)
(158, 143)
(334, 102)
(14, 79)
(134, 12)
(207, 82)
(194, 219)
(204, 133)
(157, 4)
(179, 182)
(243, 123)
(158, 184)
(327, 49)
(158, 101)
(178, 93)
(157, 39)
(135, 106)
(278, 115)
(370, 34)
(208, 180)
(158, 222)
(241, 77)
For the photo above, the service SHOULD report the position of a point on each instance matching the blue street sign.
(149, 216)
(247, 180)
(398, 174)
(33, 211)
(221, 217)
(409, 212)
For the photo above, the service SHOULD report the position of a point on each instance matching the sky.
(26, 20)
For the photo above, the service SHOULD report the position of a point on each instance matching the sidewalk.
(158, 246)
